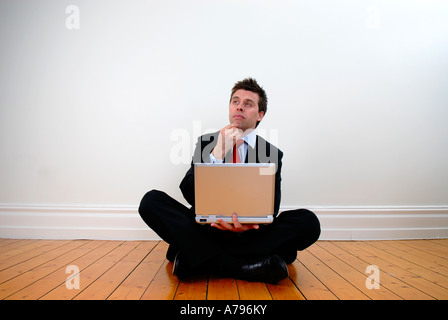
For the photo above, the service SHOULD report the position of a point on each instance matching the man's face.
(243, 109)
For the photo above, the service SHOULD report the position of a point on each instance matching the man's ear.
(260, 116)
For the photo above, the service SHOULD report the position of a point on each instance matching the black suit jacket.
(264, 152)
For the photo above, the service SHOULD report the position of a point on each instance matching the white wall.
(357, 90)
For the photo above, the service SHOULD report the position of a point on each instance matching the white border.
(124, 223)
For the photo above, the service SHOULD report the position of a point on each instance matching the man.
(244, 251)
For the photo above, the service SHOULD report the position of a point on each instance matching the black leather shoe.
(271, 269)
(171, 253)
(180, 268)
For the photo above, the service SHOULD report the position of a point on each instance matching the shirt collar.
(251, 138)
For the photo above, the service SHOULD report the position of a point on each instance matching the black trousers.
(290, 232)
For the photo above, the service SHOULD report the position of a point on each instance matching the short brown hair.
(250, 84)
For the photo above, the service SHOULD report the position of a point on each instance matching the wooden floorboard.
(120, 270)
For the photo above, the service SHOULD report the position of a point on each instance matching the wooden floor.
(37, 269)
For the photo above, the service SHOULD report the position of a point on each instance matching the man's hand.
(236, 227)
(226, 140)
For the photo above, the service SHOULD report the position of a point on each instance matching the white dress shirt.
(249, 139)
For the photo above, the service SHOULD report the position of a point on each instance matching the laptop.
(247, 189)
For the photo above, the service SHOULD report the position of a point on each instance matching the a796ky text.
(229, 309)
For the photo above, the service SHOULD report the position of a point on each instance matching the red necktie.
(236, 154)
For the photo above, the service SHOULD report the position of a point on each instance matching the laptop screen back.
(245, 189)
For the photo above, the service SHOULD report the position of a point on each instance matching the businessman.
(249, 252)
